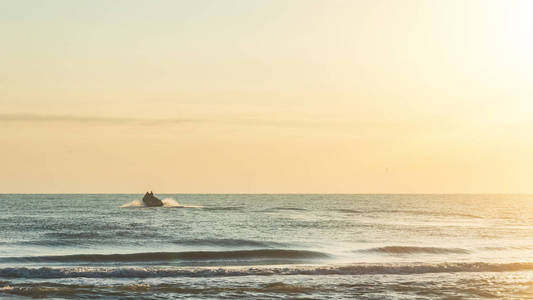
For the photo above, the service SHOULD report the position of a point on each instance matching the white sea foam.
(134, 203)
(169, 202)
(357, 269)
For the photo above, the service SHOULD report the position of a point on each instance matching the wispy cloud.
(356, 128)
(89, 119)
(233, 121)
(158, 121)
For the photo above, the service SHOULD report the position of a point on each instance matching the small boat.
(150, 200)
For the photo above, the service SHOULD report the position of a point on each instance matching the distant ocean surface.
(267, 246)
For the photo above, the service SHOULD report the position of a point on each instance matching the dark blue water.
(267, 246)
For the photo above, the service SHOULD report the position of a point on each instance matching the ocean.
(108, 246)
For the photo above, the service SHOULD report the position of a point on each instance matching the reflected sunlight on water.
(267, 245)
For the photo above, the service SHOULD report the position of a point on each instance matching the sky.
(274, 96)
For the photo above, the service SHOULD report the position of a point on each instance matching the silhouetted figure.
(150, 200)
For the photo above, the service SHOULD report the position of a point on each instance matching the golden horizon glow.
(267, 96)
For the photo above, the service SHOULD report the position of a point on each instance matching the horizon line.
(167, 193)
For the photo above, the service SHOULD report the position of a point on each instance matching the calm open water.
(267, 246)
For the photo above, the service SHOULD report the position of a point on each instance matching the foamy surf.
(354, 269)
(167, 202)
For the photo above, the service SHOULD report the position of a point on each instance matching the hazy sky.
(266, 96)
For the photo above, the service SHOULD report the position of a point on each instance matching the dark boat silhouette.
(150, 200)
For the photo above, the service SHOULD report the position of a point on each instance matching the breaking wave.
(141, 290)
(416, 250)
(281, 254)
(357, 269)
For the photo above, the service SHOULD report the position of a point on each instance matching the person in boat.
(150, 200)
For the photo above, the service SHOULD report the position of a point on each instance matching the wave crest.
(170, 256)
(357, 269)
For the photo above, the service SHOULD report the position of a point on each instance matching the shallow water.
(267, 246)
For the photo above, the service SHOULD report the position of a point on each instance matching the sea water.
(267, 246)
